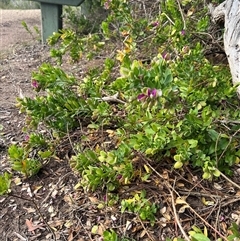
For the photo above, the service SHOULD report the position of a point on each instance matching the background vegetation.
(18, 4)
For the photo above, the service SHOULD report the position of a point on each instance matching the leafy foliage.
(20, 4)
(24, 160)
(112, 236)
(26, 27)
(235, 232)
(139, 204)
(5, 182)
(61, 107)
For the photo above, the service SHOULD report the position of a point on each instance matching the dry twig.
(148, 234)
(176, 216)
(229, 180)
(171, 190)
(57, 184)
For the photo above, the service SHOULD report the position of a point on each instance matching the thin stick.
(86, 230)
(70, 141)
(207, 224)
(180, 10)
(230, 140)
(148, 234)
(170, 188)
(57, 184)
(177, 218)
(217, 217)
(229, 180)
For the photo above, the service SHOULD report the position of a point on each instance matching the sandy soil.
(20, 52)
(12, 33)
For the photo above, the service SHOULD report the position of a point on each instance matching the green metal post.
(51, 19)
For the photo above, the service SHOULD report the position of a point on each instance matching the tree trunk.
(232, 39)
(229, 11)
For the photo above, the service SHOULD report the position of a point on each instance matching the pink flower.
(141, 97)
(107, 4)
(155, 24)
(154, 93)
(166, 55)
(35, 84)
(183, 32)
(151, 93)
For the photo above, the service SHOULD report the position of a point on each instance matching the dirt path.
(20, 54)
(12, 33)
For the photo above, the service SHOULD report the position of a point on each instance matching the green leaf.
(178, 158)
(200, 237)
(193, 143)
(124, 72)
(5, 182)
(217, 173)
(111, 159)
(16, 153)
(213, 134)
(178, 165)
(206, 175)
(224, 136)
(45, 154)
(93, 126)
(110, 236)
(111, 187)
(105, 28)
(94, 229)
(101, 158)
(149, 151)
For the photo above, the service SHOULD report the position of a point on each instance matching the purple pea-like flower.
(183, 32)
(27, 138)
(107, 4)
(166, 56)
(221, 218)
(35, 84)
(155, 24)
(119, 176)
(154, 93)
(151, 93)
(141, 97)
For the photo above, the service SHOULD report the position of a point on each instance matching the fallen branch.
(177, 218)
(229, 180)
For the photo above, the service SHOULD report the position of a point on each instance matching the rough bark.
(217, 13)
(232, 39)
(229, 11)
